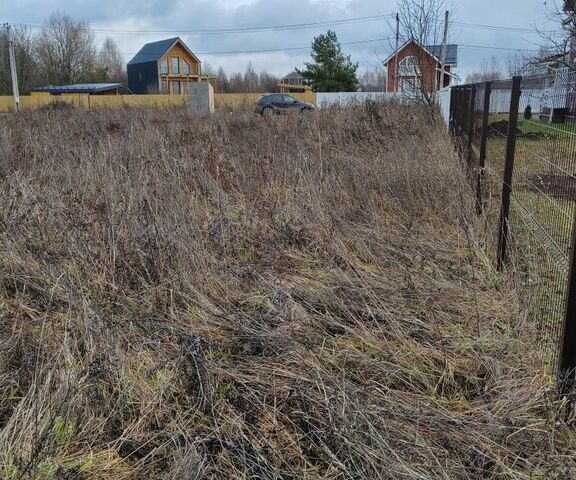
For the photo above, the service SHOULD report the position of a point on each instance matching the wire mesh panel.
(544, 191)
(538, 141)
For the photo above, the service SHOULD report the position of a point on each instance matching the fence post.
(451, 111)
(567, 359)
(508, 169)
(483, 139)
(471, 105)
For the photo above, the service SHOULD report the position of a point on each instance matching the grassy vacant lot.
(238, 297)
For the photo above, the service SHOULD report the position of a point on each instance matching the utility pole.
(396, 54)
(444, 51)
(13, 71)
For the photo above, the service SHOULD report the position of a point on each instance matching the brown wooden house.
(166, 66)
(419, 68)
(293, 83)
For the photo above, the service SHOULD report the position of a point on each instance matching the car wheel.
(267, 112)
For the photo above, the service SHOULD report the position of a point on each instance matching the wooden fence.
(230, 101)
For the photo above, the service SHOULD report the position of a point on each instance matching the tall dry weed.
(239, 297)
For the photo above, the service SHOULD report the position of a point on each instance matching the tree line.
(64, 51)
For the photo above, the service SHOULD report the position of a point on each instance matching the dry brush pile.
(238, 297)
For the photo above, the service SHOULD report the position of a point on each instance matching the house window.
(186, 67)
(164, 86)
(410, 85)
(408, 66)
(164, 67)
(176, 88)
(175, 65)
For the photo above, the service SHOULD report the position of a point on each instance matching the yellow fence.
(230, 101)
(240, 101)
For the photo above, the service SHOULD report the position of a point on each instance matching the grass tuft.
(239, 297)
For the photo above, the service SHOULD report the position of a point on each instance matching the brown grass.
(239, 297)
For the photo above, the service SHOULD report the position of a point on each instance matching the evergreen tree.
(330, 70)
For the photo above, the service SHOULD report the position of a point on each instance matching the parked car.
(280, 103)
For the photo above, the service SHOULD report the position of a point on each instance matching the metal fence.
(518, 137)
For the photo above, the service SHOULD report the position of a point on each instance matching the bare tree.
(373, 80)
(560, 42)
(109, 63)
(521, 64)
(267, 82)
(207, 69)
(222, 84)
(489, 70)
(237, 84)
(421, 21)
(249, 82)
(250, 78)
(65, 50)
(25, 63)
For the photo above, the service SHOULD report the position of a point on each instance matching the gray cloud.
(186, 15)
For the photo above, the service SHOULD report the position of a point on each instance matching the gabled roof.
(434, 51)
(154, 51)
(451, 53)
(291, 75)
(79, 88)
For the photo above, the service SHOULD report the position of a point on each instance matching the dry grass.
(236, 297)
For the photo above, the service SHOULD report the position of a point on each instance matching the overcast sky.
(175, 18)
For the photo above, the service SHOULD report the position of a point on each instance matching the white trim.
(404, 46)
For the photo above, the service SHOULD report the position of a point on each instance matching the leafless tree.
(422, 21)
(110, 62)
(267, 82)
(561, 38)
(25, 63)
(250, 78)
(373, 80)
(207, 69)
(65, 50)
(489, 70)
(522, 64)
(236, 84)
(222, 84)
(249, 82)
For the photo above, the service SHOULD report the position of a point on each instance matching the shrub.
(528, 112)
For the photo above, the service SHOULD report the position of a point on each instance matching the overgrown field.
(239, 297)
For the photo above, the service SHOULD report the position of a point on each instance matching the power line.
(358, 42)
(225, 31)
(266, 50)
(498, 27)
(294, 26)
(490, 47)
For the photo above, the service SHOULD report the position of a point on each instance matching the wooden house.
(293, 83)
(166, 66)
